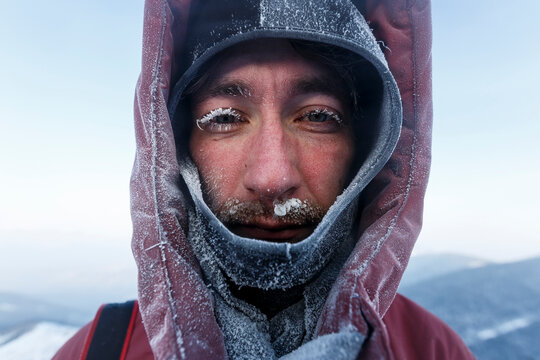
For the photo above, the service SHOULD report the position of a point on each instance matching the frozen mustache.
(292, 211)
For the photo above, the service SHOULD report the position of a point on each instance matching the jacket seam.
(156, 80)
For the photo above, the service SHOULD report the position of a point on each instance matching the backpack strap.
(111, 331)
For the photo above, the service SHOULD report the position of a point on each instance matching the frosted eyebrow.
(225, 89)
(318, 84)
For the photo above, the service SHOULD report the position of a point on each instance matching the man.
(272, 216)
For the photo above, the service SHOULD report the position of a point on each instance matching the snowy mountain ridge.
(495, 308)
(45, 339)
(20, 312)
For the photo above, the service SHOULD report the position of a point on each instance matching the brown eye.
(322, 116)
(319, 120)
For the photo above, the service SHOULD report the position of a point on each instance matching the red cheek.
(221, 161)
(324, 166)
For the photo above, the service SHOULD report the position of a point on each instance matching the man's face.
(272, 140)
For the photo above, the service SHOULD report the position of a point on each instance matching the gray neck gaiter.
(314, 262)
(263, 264)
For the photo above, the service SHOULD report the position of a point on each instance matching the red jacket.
(177, 308)
(414, 334)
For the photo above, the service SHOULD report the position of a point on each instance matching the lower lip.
(291, 235)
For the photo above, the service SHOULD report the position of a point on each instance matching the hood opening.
(364, 93)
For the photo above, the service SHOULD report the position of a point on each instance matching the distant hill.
(23, 312)
(32, 329)
(522, 343)
(496, 306)
(424, 267)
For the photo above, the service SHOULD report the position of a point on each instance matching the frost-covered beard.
(235, 213)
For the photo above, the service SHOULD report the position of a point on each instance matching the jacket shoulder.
(73, 348)
(136, 347)
(415, 333)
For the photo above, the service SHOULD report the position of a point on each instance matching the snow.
(283, 208)
(40, 343)
(5, 338)
(338, 346)
(504, 328)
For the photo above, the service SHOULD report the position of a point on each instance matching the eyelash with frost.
(214, 113)
(325, 111)
(229, 111)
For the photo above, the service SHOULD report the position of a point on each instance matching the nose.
(271, 168)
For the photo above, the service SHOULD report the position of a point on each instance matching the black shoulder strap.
(110, 332)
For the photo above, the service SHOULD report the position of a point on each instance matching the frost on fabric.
(248, 333)
(225, 257)
(264, 264)
(340, 346)
(338, 18)
(335, 19)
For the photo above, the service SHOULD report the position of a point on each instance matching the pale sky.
(69, 68)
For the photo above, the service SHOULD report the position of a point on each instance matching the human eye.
(220, 120)
(320, 119)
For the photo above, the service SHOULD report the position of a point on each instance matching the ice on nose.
(281, 209)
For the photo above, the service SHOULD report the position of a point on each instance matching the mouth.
(279, 233)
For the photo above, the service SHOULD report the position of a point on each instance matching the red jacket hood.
(177, 308)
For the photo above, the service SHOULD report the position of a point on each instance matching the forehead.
(240, 69)
(262, 52)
